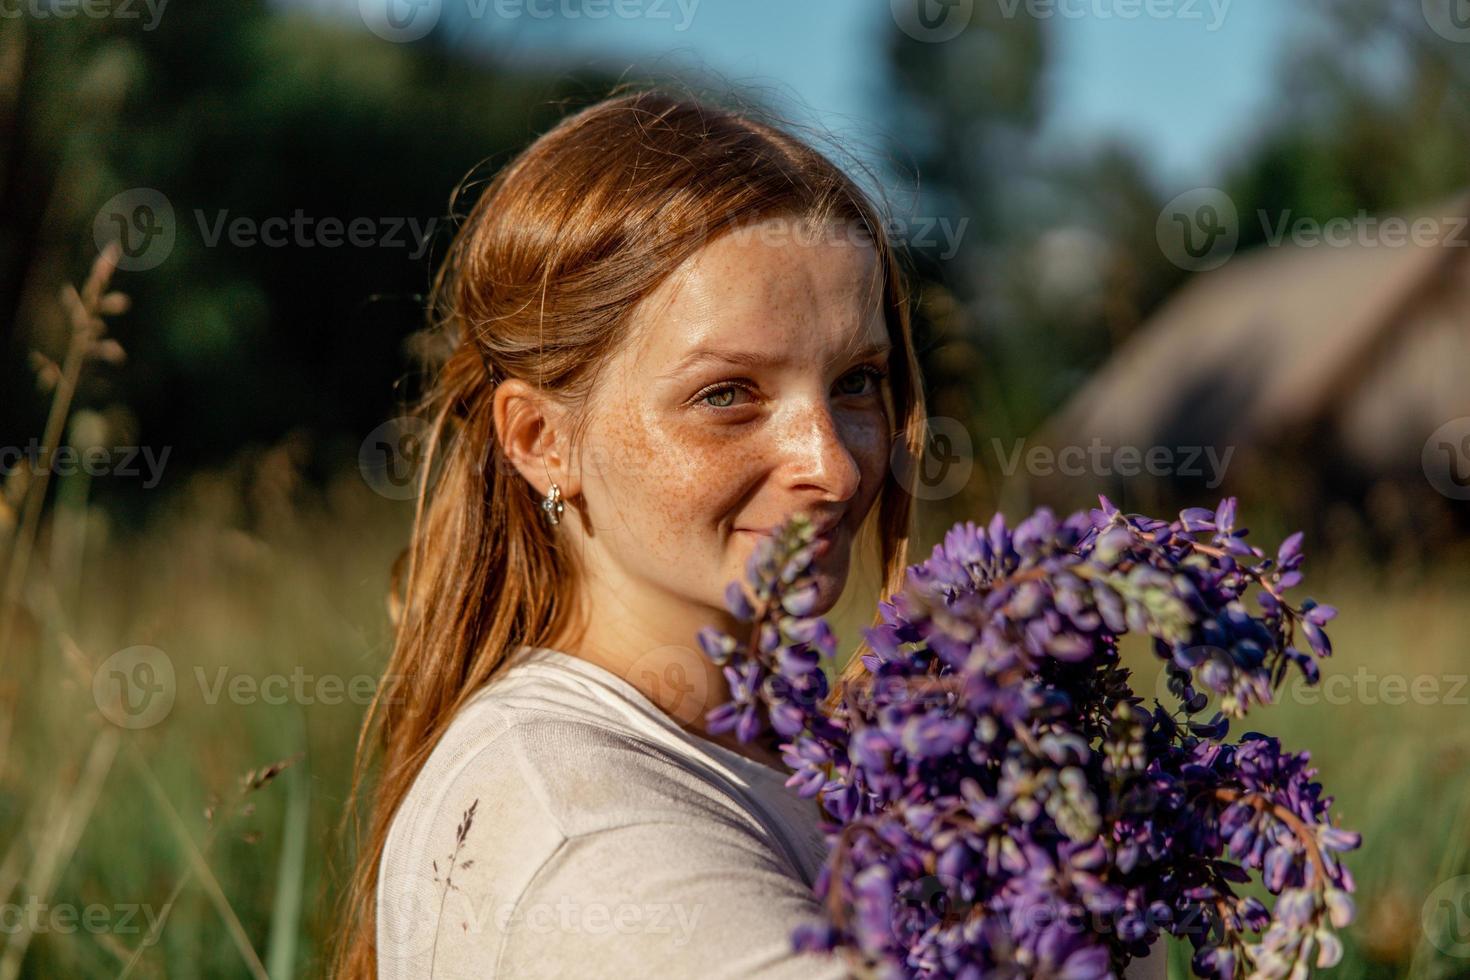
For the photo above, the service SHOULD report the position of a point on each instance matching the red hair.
(539, 284)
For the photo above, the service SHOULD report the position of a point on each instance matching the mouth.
(828, 531)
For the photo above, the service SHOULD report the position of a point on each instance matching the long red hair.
(539, 284)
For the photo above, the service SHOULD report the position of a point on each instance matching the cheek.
(664, 483)
(869, 442)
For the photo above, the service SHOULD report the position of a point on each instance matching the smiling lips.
(826, 534)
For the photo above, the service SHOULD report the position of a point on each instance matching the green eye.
(721, 395)
(863, 374)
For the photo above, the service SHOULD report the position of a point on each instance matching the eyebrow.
(756, 359)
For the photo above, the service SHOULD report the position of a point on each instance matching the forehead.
(813, 292)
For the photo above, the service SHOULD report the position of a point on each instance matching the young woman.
(667, 327)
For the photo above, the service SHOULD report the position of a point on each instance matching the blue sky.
(1186, 86)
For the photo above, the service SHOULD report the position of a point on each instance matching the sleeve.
(499, 866)
(663, 900)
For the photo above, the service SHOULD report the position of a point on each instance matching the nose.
(819, 455)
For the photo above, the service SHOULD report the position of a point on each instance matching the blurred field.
(1395, 762)
(161, 642)
(254, 572)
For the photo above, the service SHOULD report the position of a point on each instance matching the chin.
(829, 571)
(830, 583)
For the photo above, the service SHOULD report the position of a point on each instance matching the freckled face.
(754, 385)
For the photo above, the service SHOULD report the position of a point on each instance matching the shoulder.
(566, 761)
(543, 811)
(515, 779)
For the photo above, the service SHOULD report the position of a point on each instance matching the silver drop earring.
(552, 505)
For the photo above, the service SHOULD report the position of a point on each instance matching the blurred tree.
(238, 112)
(1057, 261)
(1377, 121)
(1061, 263)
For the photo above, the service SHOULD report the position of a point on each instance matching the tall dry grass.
(208, 836)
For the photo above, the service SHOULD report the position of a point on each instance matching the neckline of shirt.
(605, 677)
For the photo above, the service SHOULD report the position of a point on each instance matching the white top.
(605, 841)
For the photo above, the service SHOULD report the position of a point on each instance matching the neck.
(647, 637)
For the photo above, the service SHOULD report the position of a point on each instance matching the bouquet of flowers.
(1002, 802)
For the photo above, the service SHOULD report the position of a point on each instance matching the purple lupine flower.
(1002, 802)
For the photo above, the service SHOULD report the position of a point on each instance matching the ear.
(534, 434)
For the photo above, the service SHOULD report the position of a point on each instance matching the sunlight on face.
(754, 386)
